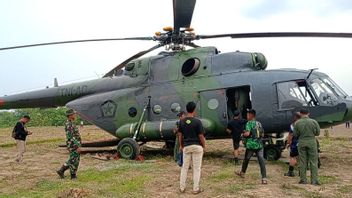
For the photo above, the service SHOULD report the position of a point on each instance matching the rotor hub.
(175, 40)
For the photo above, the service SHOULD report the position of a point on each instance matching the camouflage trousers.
(73, 162)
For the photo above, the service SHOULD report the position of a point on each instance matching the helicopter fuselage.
(219, 83)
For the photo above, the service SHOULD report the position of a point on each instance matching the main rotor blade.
(122, 65)
(183, 12)
(77, 41)
(278, 34)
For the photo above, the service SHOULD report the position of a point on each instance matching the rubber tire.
(272, 153)
(128, 148)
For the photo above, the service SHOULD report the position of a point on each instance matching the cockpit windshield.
(335, 87)
(327, 91)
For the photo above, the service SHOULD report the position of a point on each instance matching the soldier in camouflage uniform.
(73, 145)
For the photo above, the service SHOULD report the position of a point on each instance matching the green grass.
(56, 140)
(224, 174)
(327, 179)
(345, 189)
(125, 179)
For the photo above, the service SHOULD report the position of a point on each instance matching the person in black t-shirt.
(192, 143)
(20, 134)
(235, 128)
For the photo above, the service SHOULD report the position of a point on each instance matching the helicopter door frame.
(242, 98)
(213, 107)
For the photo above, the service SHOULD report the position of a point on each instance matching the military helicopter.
(137, 101)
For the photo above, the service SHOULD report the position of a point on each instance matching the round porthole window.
(190, 67)
(175, 107)
(157, 109)
(213, 104)
(132, 112)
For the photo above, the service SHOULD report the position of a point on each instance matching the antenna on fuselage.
(56, 84)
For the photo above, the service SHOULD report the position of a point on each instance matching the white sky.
(35, 21)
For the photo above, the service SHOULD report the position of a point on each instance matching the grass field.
(158, 175)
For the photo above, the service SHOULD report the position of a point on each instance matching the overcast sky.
(26, 22)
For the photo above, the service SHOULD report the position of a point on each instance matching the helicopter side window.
(294, 94)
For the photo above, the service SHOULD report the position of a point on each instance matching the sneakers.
(197, 191)
(240, 173)
(264, 181)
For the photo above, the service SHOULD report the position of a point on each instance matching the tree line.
(39, 117)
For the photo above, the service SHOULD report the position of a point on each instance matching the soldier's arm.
(317, 128)
(296, 131)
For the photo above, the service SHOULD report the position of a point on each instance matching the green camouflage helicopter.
(137, 101)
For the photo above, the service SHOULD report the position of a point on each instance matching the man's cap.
(304, 111)
(251, 111)
(181, 113)
(70, 112)
(27, 117)
(236, 113)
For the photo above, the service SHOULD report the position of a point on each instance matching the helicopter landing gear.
(272, 152)
(273, 147)
(128, 148)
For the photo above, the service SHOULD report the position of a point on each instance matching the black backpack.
(14, 134)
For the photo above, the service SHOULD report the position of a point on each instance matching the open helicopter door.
(238, 99)
(213, 107)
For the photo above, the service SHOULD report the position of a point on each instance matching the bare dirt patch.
(158, 176)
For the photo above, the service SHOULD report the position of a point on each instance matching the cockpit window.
(329, 82)
(324, 91)
(294, 94)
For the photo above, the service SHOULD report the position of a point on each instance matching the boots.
(290, 174)
(62, 170)
(73, 176)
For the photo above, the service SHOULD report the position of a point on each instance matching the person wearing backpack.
(20, 133)
(253, 133)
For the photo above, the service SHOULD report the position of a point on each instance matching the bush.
(39, 117)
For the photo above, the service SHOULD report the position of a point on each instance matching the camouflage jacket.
(72, 135)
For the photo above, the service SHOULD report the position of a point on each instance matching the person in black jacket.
(20, 135)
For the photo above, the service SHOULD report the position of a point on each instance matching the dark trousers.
(347, 124)
(260, 155)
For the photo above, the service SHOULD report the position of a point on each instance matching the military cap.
(304, 111)
(70, 112)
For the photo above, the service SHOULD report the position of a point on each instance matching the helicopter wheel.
(128, 148)
(272, 153)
